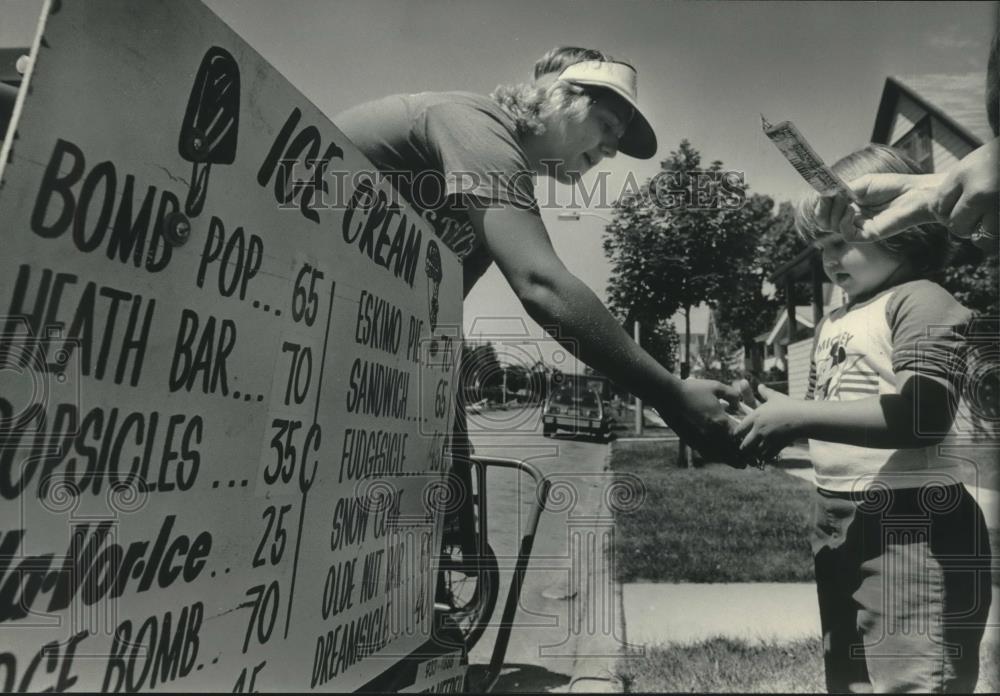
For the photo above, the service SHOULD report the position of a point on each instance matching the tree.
(779, 244)
(746, 311)
(539, 381)
(974, 280)
(660, 339)
(480, 373)
(672, 245)
(517, 378)
(770, 242)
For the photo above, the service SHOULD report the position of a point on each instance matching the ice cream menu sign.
(227, 366)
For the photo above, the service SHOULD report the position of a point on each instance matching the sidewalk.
(693, 612)
(601, 614)
(662, 613)
(567, 621)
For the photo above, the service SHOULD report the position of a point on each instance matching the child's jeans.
(903, 578)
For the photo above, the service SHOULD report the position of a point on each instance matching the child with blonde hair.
(901, 549)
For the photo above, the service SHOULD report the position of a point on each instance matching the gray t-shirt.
(443, 152)
(862, 351)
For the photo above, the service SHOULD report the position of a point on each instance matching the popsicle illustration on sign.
(211, 122)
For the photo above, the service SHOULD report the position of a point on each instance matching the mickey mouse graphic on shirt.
(831, 354)
(839, 372)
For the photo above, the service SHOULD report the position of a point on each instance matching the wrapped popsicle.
(804, 158)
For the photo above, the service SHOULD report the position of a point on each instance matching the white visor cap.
(639, 140)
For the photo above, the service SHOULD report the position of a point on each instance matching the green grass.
(712, 523)
(725, 665)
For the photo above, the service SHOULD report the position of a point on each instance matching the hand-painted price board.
(222, 363)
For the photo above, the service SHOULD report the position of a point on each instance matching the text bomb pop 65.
(807, 163)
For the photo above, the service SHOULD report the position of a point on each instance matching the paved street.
(565, 567)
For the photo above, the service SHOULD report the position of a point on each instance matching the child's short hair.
(928, 246)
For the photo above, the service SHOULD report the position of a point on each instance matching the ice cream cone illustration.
(432, 266)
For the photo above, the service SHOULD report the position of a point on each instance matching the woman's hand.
(969, 197)
(966, 200)
(698, 415)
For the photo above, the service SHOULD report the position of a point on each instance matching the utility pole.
(683, 451)
(638, 401)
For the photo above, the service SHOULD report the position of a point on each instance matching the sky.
(707, 70)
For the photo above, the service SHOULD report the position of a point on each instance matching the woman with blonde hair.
(468, 163)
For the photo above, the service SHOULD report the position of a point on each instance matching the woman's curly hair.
(528, 103)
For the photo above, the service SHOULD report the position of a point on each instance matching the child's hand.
(746, 395)
(772, 426)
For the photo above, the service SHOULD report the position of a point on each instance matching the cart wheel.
(469, 589)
